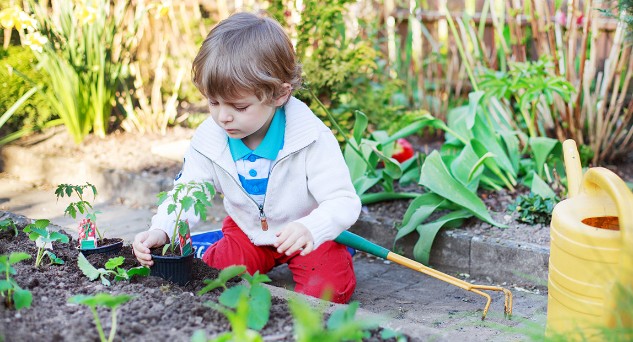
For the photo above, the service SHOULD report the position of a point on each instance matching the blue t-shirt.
(253, 166)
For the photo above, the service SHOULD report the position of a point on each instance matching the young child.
(287, 189)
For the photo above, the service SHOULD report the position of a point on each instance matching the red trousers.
(326, 271)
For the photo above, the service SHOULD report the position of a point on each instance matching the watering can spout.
(573, 169)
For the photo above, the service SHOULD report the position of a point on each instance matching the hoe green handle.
(352, 240)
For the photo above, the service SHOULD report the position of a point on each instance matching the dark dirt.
(160, 310)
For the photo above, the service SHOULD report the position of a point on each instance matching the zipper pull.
(262, 218)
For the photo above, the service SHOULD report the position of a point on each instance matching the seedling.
(183, 197)
(112, 268)
(13, 294)
(533, 208)
(87, 226)
(38, 232)
(9, 225)
(106, 300)
(246, 307)
(341, 326)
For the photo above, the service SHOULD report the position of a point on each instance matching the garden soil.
(159, 311)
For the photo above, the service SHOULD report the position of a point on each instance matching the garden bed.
(160, 310)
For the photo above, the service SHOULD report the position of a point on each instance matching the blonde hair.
(246, 54)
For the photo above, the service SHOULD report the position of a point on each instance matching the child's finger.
(309, 247)
(298, 244)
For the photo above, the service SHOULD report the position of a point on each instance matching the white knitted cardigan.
(309, 181)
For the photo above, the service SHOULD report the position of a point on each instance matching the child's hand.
(294, 237)
(143, 241)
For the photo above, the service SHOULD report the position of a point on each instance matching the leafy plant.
(106, 300)
(38, 232)
(23, 106)
(533, 208)
(184, 196)
(112, 268)
(9, 225)
(362, 157)
(82, 206)
(341, 326)
(85, 48)
(246, 307)
(9, 289)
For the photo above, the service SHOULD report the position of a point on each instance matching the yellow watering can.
(591, 253)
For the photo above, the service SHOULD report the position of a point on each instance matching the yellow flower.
(162, 9)
(7, 17)
(86, 14)
(35, 41)
(25, 21)
(15, 17)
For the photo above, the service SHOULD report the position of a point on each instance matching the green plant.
(246, 307)
(20, 93)
(112, 268)
(478, 152)
(106, 300)
(9, 225)
(532, 86)
(533, 208)
(340, 326)
(362, 157)
(82, 206)
(9, 289)
(85, 49)
(184, 196)
(38, 232)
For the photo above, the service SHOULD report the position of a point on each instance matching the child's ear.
(281, 100)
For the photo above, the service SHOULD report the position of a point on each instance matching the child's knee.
(337, 290)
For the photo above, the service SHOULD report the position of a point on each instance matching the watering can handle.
(599, 180)
(573, 169)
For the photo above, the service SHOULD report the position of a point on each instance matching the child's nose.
(225, 115)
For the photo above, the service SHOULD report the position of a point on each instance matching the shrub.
(36, 110)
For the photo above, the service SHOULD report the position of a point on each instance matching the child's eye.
(240, 109)
(213, 103)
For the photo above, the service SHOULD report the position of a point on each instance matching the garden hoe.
(359, 243)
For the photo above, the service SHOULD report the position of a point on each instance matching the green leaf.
(171, 208)
(259, 307)
(542, 147)
(16, 257)
(141, 271)
(42, 224)
(57, 236)
(231, 272)
(5, 285)
(541, 188)
(360, 125)
(419, 210)
(230, 297)
(186, 202)
(428, 231)
(101, 299)
(86, 267)
(22, 298)
(113, 263)
(436, 177)
(341, 316)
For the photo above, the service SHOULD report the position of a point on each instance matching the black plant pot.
(177, 269)
(112, 246)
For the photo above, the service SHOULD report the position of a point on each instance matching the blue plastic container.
(202, 240)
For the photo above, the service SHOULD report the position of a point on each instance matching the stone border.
(453, 250)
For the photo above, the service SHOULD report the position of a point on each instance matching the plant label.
(87, 238)
(185, 242)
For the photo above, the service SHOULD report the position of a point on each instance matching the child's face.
(244, 117)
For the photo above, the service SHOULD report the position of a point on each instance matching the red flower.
(403, 150)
